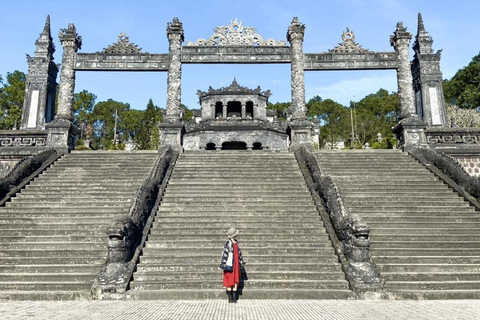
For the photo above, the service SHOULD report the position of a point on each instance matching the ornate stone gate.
(421, 105)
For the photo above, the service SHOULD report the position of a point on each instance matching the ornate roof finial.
(421, 26)
(46, 29)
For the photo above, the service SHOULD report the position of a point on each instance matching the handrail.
(127, 234)
(45, 164)
(348, 233)
(454, 176)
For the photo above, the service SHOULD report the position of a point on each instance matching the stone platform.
(247, 309)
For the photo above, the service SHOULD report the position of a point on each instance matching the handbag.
(229, 264)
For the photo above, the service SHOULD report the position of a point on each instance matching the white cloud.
(344, 91)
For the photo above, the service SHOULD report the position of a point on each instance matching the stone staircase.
(424, 236)
(52, 234)
(264, 195)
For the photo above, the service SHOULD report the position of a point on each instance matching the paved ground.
(247, 309)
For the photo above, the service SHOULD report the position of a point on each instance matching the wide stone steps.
(423, 235)
(52, 234)
(282, 237)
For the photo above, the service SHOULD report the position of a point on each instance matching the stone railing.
(23, 138)
(127, 234)
(453, 136)
(462, 181)
(25, 170)
(349, 234)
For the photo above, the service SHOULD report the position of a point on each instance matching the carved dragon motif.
(235, 34)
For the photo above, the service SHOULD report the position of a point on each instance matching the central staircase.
(53, 233)
(424, 237)
(287, 252)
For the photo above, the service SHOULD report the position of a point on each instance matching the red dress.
(230, 278)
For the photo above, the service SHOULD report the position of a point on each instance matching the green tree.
(149, 136)
(280, 109)
(103, 121)
(11, 100)
(187, 113)
(334, 120)
(83, 103)
(464, 87)
(376, 113)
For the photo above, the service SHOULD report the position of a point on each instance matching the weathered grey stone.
(71, 42)
(174, 79)
(400, 40)
(295, 34)
(41, 84)
(428, 79)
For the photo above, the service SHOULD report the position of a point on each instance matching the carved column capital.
(296, 30)
(401, 37)
(175, 30)
(69, 37)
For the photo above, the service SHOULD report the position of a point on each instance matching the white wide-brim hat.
(232, 232)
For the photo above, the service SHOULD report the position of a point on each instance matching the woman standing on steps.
(232, 264)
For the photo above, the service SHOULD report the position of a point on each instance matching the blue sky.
(453, 25)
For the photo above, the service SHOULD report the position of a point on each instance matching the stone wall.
(469, 162)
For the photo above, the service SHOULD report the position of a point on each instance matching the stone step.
(243, 225)
(92, 238)
(433, 285)
(246, 250)
(195, 294)
(451, 225)
(389, 195)
(57, 295)
(54, 245)
(120, 196)
(439, 232)
(251, 284)
(252, 267)
(159, 230)
(213, 215)
(52, 260)
(50, 268)
(430, 276)
(423, 238)
(54, 226)
(215, 194)
(425, 244)
(46, 286)
(425, 219)
(267, 206)
(232, 218)
(48, 210)
(61, 204)
(278, 198)
(252, 275)
(71, 252)
(19, 232)
(49, 277)
(215, 259)
(414, 215)
(426, 201)
(416, 251)
(249, 244)
(427, 259)
(413, 210)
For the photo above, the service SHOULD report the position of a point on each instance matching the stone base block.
(61, 135)
(171, 133)
(410, 133)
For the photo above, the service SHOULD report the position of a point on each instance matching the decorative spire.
(44, 43)
(421, 26)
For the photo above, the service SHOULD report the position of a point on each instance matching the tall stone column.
(224, 111)
(71, 42)
(174, 81)
(61, 132)
(410, 131)
(400, 40)
(295, 34)
(244, 111)
(171, 130)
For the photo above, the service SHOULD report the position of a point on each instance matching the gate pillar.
(61, 131)
(295, 34)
